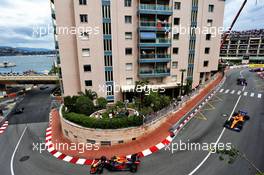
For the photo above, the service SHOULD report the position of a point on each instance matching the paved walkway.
(135, 146)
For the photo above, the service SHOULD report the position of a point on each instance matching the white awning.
(130, 88)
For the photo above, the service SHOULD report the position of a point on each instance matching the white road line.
(239, 92)
(245, 93)
(252, 94)
(13, 155)
(221, 90)
(227, 91)
(220, 136)
(259, 95)
(218, 139)
(233, 91)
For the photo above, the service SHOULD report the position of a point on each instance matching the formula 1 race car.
(19, 110)
(257, 70)
(242, 81)
(237, 121)
(115, 164)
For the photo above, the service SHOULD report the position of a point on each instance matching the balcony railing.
(155, 7)
(152, 56)
(155, 71)
(154, 24)
(157, 41)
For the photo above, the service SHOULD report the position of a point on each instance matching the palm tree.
(141, 84)
(89, 93)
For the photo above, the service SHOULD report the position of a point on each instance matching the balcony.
(154, 73)
(154, 26)
(155, 9)
(154, 58)
(159, 42)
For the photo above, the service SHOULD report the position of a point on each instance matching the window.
(175, 50)
(208, 36)
(83, 2)
(211, 8)
(107, 45)
(129, 81)
(177, 5)
(86, 52)
(84, 18)
(85, 36)
(206, 63)
(106, 11)
(209, 22)
(121, 141)
(128, 51)
(105, 143)
(207, 50)
(129, 66)
(108, 75)
(128, 3)
(107, 29)
(174, 78)
(88, 83)
(175, 64)
(91, 141)
(128, 35)
(87, 68)
(128, 19)
(108, 60)
(176, 36)
(176, 21)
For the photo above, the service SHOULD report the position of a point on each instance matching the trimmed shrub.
(105, 123)
(101, 103)
(84, 105)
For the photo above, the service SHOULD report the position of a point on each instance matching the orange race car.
(237, 121)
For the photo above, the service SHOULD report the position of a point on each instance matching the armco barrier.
(186, 118)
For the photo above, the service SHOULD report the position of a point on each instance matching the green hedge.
(104, 123)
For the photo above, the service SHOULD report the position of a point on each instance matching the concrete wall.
(78, 134)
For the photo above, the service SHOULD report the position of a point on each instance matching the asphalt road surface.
(17, 155)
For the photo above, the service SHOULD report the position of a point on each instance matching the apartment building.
(247, 45)
(133, 40)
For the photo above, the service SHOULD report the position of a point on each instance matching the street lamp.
(182, 76)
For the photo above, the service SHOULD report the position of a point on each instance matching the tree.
(101, 103)
(165, 101)
(188, 87)
(70, 103)
(89, 93)
(153, 100)
(84, 105)
(120, 104)
(142, 85)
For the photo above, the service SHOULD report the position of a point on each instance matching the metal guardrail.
(176, 105)
(28, 78)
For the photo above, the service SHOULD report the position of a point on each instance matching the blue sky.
(19, 17)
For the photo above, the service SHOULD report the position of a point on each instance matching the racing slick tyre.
(227, 123)
(235, 113)
(103, 158)
(246, 117)
(100, 170)
(240, 126)
(133, 168)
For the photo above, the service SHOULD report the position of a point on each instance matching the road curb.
(3, 127)
(81, 161)
(171, 135)
(184, 120)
